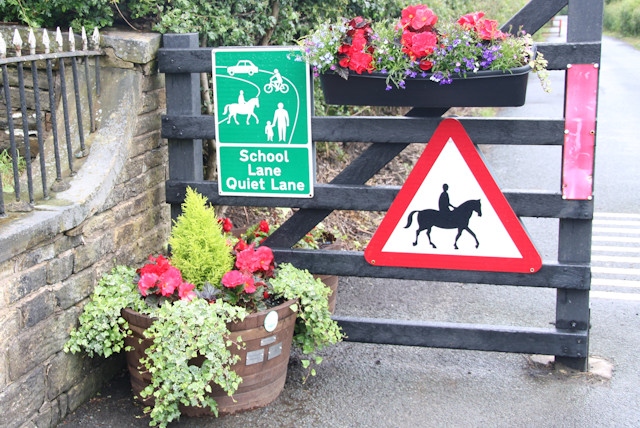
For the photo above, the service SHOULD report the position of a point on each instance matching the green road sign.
(263, 122)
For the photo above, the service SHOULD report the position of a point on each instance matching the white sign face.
(451, 214)
(271, 321)
(451, 169)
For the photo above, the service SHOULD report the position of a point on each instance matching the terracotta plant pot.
(331, 281)
(262, 365)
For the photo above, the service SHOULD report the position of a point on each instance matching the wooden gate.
(570, 275)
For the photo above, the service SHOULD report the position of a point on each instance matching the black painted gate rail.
(184, 126)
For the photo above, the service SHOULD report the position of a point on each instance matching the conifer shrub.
(198, 246)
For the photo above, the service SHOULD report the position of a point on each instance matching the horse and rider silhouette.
(245, 108)
(444, 218)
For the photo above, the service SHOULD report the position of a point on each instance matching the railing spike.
(32, 42)
(59, 39)
(72, 41)
(17, 42)
(85, 42)
(45, 41)
(3, 47)
(95, 38)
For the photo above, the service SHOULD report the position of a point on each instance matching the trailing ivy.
(314, 329)
(102, 330)
(182, 332)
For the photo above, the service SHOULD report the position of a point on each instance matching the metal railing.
(32, 106)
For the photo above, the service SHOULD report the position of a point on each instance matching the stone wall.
(50, 259)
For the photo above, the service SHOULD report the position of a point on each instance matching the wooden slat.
(585, 21)
(368, 198)
(352, 263)
(185, 154)
(560, 55)
(534, 15)
(172, 61)
(396, 129)
(465, 336)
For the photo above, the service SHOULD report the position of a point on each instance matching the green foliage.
(198, 246)
(102, 330)
(228, 22)
(6, 170)
(622, 17)
(314, 328)
(63, 13)
(183, 332)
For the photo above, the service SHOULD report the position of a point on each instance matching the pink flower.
(185, 291)
(264, 257)
(232, 279)
(470, 20)
(169, 281)
(249, 285)
(420, 17)
(246, 260)
(235, 278)
(147, 282)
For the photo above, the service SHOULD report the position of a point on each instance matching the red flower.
(263, 226)
(358, 43)
(425, 65)
(358, 24)
(418, 45)
(226, 223)
(158, 265)
(241, 246)
(360, 62)
(487, 29)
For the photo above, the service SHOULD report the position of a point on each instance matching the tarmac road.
(365, 385)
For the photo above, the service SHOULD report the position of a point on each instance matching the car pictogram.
(244, 66)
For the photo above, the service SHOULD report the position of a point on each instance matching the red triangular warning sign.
(451, 214)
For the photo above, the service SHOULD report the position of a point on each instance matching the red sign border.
(453, 129)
